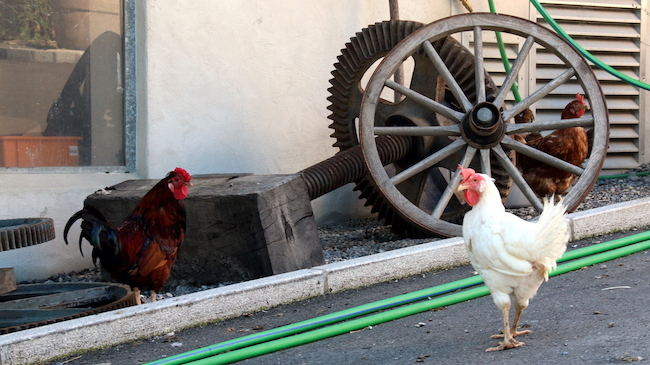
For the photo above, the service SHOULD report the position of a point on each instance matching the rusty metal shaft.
(349, 165)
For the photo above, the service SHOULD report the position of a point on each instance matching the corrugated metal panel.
(609, 29)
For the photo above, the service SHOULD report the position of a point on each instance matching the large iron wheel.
(480, 132)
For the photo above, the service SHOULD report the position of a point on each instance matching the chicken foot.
(138, 297)
(509, 333)
(513, 330)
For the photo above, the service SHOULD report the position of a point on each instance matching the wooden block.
(238, 227)
(7, 280)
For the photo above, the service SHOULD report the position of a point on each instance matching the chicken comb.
(467, 172)
(580, 98)
(182, 173)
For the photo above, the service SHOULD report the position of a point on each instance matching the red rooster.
(141, 250)
(568, 144)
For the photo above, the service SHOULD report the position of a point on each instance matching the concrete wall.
(223, 87)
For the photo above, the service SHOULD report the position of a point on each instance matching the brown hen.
(568, 144)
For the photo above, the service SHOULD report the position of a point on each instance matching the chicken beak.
(189, 183)
(459, 193)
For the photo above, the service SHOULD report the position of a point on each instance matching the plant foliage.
(26, 20)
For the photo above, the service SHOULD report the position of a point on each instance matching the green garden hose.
(504, 56)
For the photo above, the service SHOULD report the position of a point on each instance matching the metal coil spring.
(349, 165)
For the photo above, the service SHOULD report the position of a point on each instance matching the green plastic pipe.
(620, 176)
(604, 246)
(318, 322)
(504, 56)
(601, 257)
(342, 328)
(360, 323)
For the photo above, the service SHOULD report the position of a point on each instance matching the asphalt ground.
(595, 315)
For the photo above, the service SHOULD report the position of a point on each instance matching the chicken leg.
(136, 292)
(508, 335)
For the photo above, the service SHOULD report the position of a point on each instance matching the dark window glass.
(61, 83)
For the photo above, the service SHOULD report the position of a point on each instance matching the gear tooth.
(360, 186)
(374, 200)
(408, 28)
(351, 55)
(342, 72)
(360, 48)
(341, 134)
(386, 214)
(377, 207)
(399, 33)
(344, 69)
(338, 95)
(397, 226)
(367, 192)
(344, 59)
(378, 33)
(367, 41)
(369, 38)
(339, 85)
(337, 110)
(351, 59)
(337, 98)
(385, 33)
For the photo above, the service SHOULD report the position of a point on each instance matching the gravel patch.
(361, 237)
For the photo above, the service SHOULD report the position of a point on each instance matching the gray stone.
(238, 227)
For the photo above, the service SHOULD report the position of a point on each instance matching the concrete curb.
(111, 328)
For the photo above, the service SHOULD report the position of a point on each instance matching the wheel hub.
(483, 127)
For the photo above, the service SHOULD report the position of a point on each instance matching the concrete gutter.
(119, 326)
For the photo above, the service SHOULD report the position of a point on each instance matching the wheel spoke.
(541, 156)
(485, 162)
(539, 94)
(429, 161)
(512, 75)
(550, 125)
(479, 73)
(516, 177)
(446, 75)
(425, 101)
(453, 184)
(452, 130)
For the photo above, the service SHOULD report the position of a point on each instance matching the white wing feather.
(500, 241)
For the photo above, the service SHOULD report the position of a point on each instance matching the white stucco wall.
(223, 87)
(242, 86)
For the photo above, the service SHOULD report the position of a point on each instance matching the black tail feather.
(75, 217)
(91, 221)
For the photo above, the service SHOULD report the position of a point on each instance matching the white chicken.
(513, 256)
